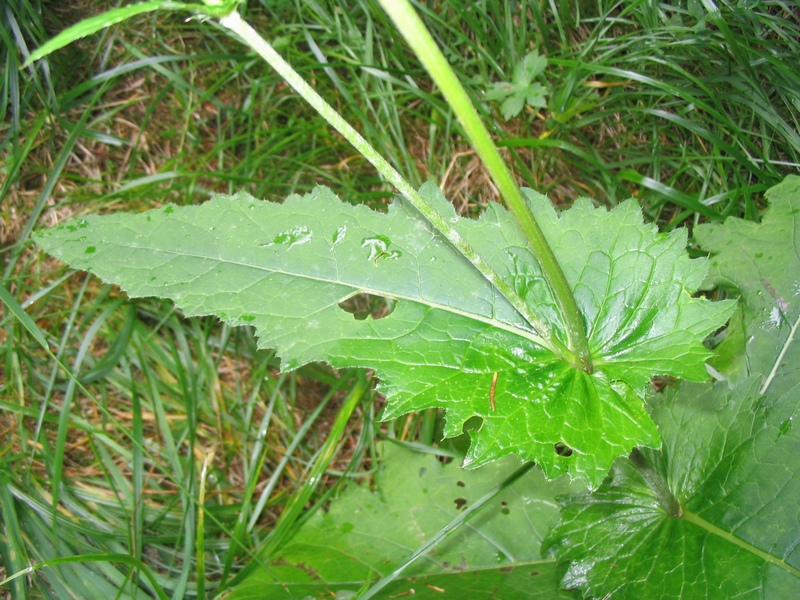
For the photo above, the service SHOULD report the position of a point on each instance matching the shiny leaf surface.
(286, 268)
(730, 457)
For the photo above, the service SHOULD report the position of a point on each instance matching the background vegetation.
(179, 443)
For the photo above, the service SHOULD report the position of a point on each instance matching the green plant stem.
(424, 46)
(656, 482)
(249, 36)
(732, 539)
(200, 541)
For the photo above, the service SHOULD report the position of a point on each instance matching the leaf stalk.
(669, 503)
(428, 52)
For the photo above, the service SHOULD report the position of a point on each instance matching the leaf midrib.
(784, 349)
(729, 537)
(357, 289)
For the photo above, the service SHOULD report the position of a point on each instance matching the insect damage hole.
(562, 449)
(365, 305)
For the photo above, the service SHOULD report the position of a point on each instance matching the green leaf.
(99, 22)
(732, 459)
(522, 90)
(513, 105)
(533, 65)
(730, 453)
(762, 262)
(284, 269)
(367, 534)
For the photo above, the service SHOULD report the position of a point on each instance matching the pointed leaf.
(284, 269)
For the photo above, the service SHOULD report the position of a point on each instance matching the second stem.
(426, 49)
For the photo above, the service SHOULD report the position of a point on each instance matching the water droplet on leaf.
(79, 224)
(379, 248)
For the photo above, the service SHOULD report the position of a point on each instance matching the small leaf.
(498, 91)
(367, 534)
(513, 105)
(522, 90)
(285, 268)
(534, 65)
(536, 95)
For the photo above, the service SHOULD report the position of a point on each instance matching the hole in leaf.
(562, 449)
(362, 306)
(461, 503)
(474, 423)
(461, 484)
(504, 508)
(534, 573)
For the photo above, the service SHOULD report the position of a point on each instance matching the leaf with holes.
(368, 533)
(728, 523)
(452, 341)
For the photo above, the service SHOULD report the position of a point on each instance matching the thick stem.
(424, 46)
(236, 24)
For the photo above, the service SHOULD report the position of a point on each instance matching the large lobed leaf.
(730, 453)
(285, 268)
(368, 534)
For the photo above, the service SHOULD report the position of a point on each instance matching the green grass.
(694, 112)
(177, 442)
